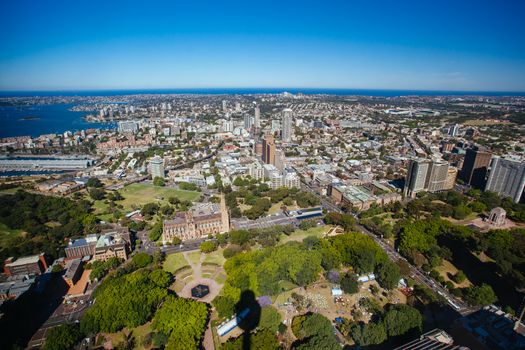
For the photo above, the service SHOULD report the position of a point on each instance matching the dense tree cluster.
(346, 221)
(314, 331)
(480, 295)
(63, 337)
(47, 221)
(142, 260)
(270, 319)
(352, 249)
(126, 301)
(183, 321)
(187, 186)
(208, 246)
(258, 340)
(394, 320)
(158, 181)
(507, 248)
(260, 197)
(388, 275)
(245, 239)
(261, 271)
(100, 268)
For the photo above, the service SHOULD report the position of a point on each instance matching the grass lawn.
(136, 195)
(244, 207)
(447, 268)
(220, 278)
(283, 297)
(178, 286)
(10, 190)
(194, 257)
(139, 333)
(115, 338)
(299, 235)
(215, 257)
(7, 234)
(174, 262)
(140, 194)
(287, 285)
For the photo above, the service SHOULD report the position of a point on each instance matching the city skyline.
(470, 46)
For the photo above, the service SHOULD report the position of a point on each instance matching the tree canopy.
(63, 337)
(183, 321)
(126, 301)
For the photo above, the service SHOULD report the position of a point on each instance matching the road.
(417, 274)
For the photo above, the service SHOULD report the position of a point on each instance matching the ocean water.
(241, 91)
(43, 119)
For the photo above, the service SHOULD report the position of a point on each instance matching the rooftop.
(25, 260)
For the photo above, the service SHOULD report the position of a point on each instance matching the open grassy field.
(447, 268)
(299, 235)
(136, 195)
(174, 262)
(10, 190)
(7, 234)
(140, 333)
(215, 257)
(194, 257)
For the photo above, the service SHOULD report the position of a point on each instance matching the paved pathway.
(215, 288)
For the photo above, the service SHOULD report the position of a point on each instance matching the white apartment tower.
(287, 125)
(506, 178)
(156, 167)
(257, 117)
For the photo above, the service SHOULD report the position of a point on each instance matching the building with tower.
(200, 221)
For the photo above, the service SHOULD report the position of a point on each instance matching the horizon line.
(284, 89)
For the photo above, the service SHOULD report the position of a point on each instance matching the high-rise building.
(256, 171)
(416, 178)
(475, 166)
(228, 126)
(453, 130)
(268, 150)
(287, 125)
(257, 117)
(506, 177)
(224, 106)
(437, 176)
(452, 174)
(279, 159)
(276, 125)
(248, 122)
(157, 167)
(427, 175)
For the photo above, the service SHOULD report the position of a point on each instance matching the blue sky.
(428, 45)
